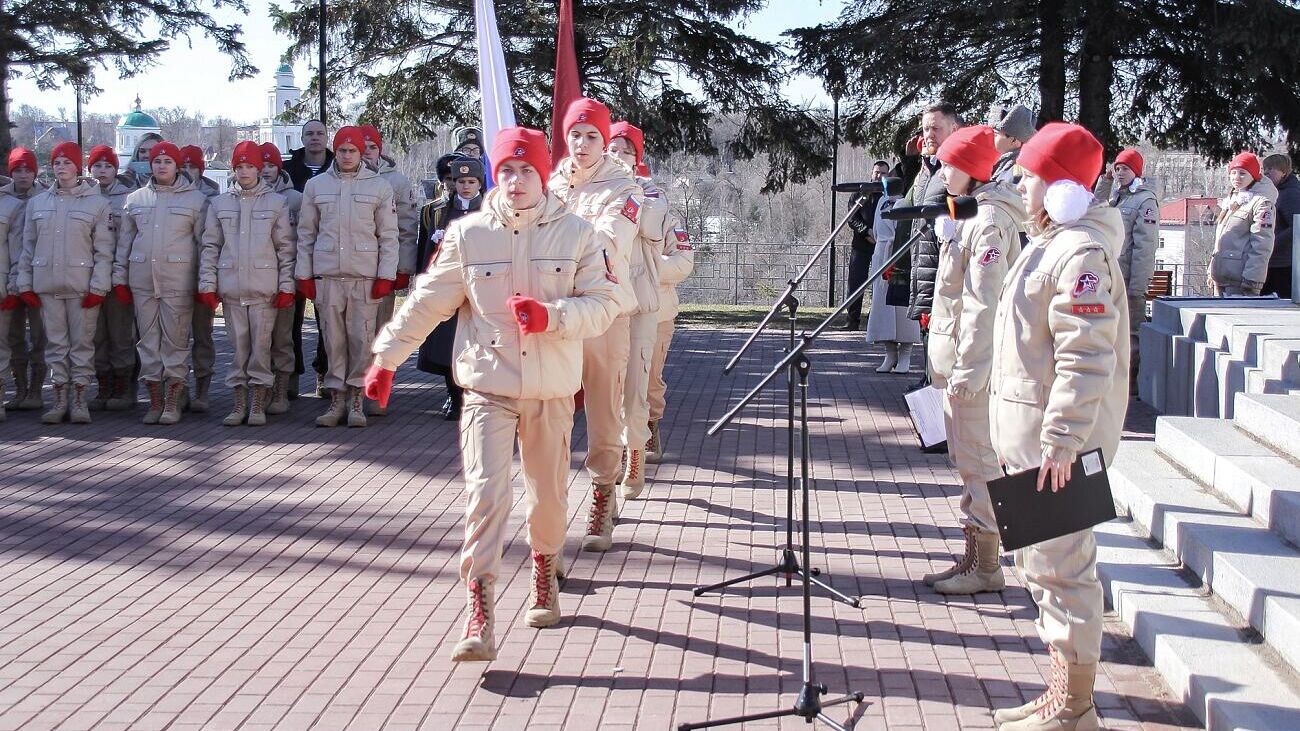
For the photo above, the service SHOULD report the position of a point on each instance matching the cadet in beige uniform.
(248, 262)
(205, 351)
(528, 282)
(156, 267)
(676, 262)
(1244, 235)
(600, 189)
(283, 361)
(65, 270)
(10, 215)
(347, 263)
(1058, 388)
(27, 354)
(115, 361)
(1137, 203)
(972, 268)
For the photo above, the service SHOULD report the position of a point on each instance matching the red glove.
(403, 281)
(30, 299)
(91, 301)
(307, 288)
(884, 277)
(209, 300)
(381, 289)
(122, 293)
(925, 321)
(529, 313)
(10, 302)
(379, 382)
(282, 300)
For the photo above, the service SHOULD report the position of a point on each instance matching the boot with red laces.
(544, 591)
(478, 643)
(600, 519)
(633, 482)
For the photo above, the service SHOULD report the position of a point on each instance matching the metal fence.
(750, 273)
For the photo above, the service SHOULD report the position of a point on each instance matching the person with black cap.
(469, 142)
(1012, 128)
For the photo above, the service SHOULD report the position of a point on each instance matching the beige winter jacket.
(1059, 384)
(1244, 236)
(284, 186)
(347, 227)
(116, 193)
(606, 196)
(408, 214)
(67, 243)
(644, 264)
(159, 240)
(248, 246)
(972, 269)
(487, 257)
(13, 208)
(1140, 209)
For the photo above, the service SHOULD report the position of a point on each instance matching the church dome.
(139, 120)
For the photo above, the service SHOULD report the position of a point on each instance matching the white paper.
(1091, 463)
(926, 408)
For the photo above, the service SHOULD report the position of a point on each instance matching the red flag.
(567, 84)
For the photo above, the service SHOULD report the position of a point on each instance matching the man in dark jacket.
(937, 123)
(1278, 170)
(864, 243)
(305, 163)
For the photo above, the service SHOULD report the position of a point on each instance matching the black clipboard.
(1027, 516)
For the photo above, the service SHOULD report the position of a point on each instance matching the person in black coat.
(305, 163)
(863, 244)
(1278, 169)
(463, 182)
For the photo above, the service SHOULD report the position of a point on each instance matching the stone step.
(1271, 418)
(1229, 682)
(1251, 569)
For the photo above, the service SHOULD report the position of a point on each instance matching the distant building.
(131, 129)
(284, 131)
(1187, 241)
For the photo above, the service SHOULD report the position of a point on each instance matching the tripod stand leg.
(836, 593)
(697, 591)
(736, 719)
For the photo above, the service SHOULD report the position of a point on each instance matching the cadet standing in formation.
(26, 332)
(1124, 188)
(1243, 240)
(284, 338)
(115, 360)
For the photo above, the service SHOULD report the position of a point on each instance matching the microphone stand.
(809, 705)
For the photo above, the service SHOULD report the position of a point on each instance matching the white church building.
(286, 134)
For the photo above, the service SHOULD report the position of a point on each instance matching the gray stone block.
(1271, 418)
(1153, 368)
(1197, 445)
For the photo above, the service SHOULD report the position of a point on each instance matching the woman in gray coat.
(886, 323)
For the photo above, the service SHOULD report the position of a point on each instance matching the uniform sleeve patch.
(1266, 218)
(1086, 283)
(990, 256)
(652, 193)
(1149, 215)
(1086, 310)
(631, 209)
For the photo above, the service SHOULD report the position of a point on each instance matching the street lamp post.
(320, 67)
(835, 178)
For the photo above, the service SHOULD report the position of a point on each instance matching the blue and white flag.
(493, 81)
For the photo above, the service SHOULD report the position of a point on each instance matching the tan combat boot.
(544, 592)
(125, 391)
(1021, 712)
(337, 410)
(279, 402)
(478, 643)
(983, 574)
(199, 404)
(1068, 702)
(20, 386)
(173, 393)
(155, 402)
(600, 519)
(33, 400)
(654, 446)
(103, 392)
(239, 409)
(356, 408)
(257, 407)
(79, 409)
(57, 412)
(965, 561)
(633, 482)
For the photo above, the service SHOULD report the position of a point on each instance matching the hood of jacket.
(120, 185)
(1264, 187)
(282, 183)
(364, 172)
(1004, 197)
(609, 168)
(549, 209)
(183, 184)
(85, 187)
(1101, 219)
(262, 188)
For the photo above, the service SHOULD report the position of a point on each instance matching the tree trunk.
(1051, 62)
(6, 137)
(1097, 71)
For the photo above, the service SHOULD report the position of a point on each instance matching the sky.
(193, 75)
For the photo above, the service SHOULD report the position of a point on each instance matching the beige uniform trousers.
(604, 368)
(164, 345)
(115, 336)
(386, 307)
(282, 357)
(347, 315)
(1137, 309)
(970, 447)
(70, 339)
(657, 395)
(249, 328)
(205, 352)
(26, 338)
(643, 332)
(489, 426)
(1061, 575)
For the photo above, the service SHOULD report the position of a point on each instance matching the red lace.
(599, 505)
(634, 463)
(542, 578)
(478, 618)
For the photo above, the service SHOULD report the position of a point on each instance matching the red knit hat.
(1061, 151)
(166, 148)
(1248, 162)
(193, 155)
(971, 150)
(371, 134)
(522, 143)
(632, 134)
(271, 154)
(349, 136)
(21, 157)
(104, 153)
(71, 151)
(1132, 159)
(247, 152)
(587, 111)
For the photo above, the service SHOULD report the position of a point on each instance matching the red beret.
(166, 148)
(193, 155)
(371, 134)
(1132, 159)
(971, 150)
(21, 157)
(587, 111)
(349, 136)
(102, 152)
(632, 134)
(247, 152)
(1061, 151)
(1246, 161)
(271, 154)
(71, 151)
(521, 143)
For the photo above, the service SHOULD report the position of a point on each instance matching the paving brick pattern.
(290, 577)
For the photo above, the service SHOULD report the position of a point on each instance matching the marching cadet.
(156, 268)
(205, 351)
(627, 143)
(27, 355)
(464, 178)
(972, 268)
(248, 263)
(115, 333)
(1244, 233)
(1057, 389)
(1137, 203)
(347, 263)
(529, 281)
(600, 189)
(284, 362)
(676, 262)
(65, 270)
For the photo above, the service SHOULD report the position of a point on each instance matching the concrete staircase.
(1206, 570)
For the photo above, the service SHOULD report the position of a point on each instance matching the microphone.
(884, 185)
(955, 207)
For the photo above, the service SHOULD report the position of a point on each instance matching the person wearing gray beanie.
(1012, 127)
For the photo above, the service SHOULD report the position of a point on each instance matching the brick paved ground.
(291, 577)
